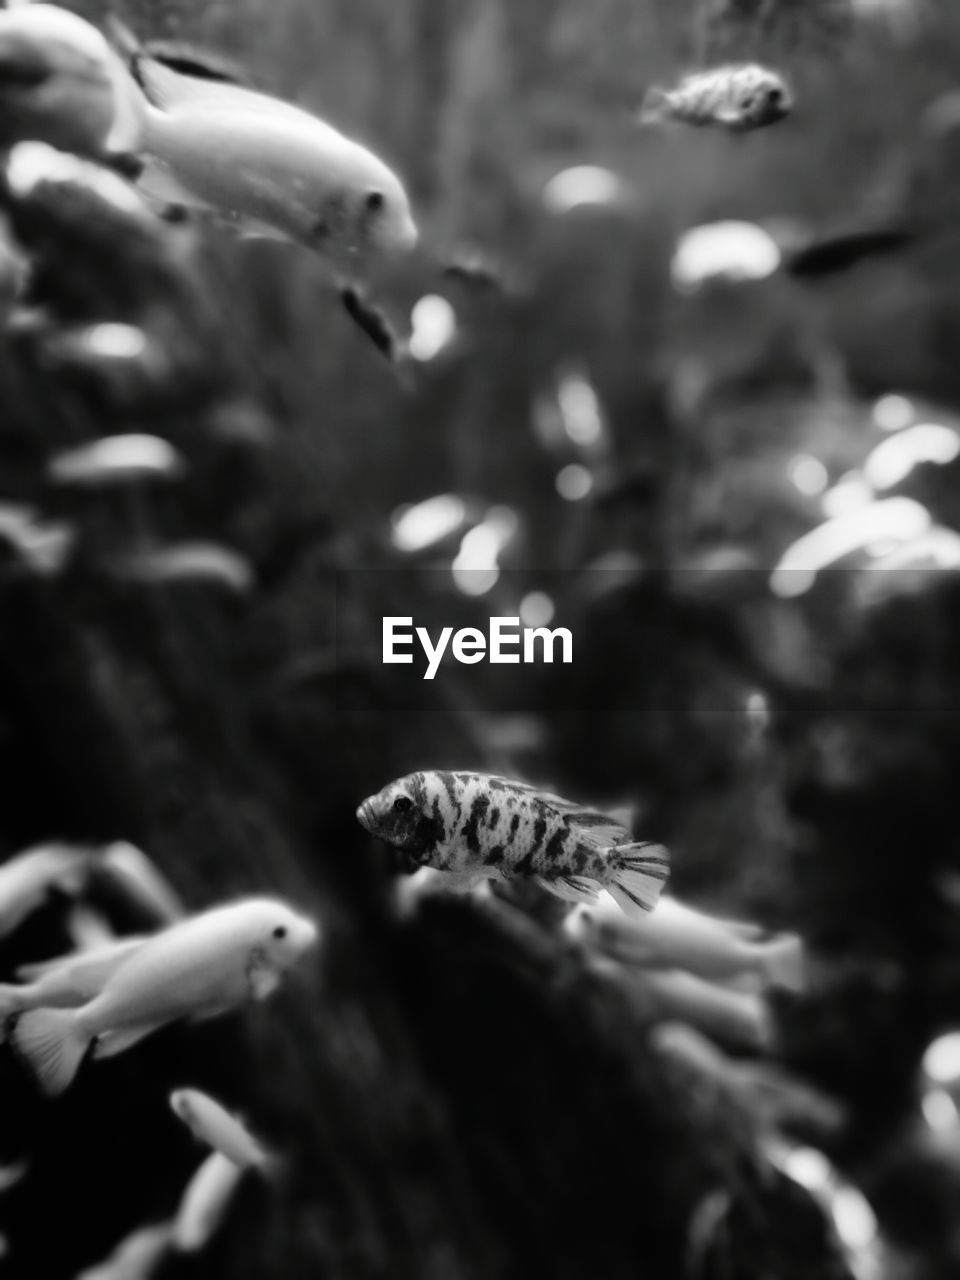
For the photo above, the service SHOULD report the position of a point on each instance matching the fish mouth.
(365, 816)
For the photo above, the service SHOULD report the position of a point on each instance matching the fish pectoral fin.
(262, 979)
(110, 1043)
(570, 888)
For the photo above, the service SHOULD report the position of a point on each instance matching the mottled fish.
(738, 98)
(204, 965)
(475, 826)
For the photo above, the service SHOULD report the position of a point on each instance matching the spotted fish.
(475, 826)
(738, 98)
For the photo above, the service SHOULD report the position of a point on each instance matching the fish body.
(211, 1123)
(210, 962)
(205, 1203)
(476, 823)
(269, 166)
(67, 982)
(138, 1257)
(738, 98)
(61, 83)
(183, 562)
(27, 880)
(739, 1019)
(674, 936)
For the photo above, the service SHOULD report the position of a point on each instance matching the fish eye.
(280, 931)
(402, 804)
(375, 201)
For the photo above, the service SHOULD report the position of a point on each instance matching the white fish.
(208, 963)
(211, 1123)
(11, 1174)
(138, 1257)
(137, 877)
(27, 879)
(205, 1203)
(61, 83)
(674, 936)
(207, 562)
(274, 168)
(739, 1019)
(68, 981)
(88, 928)
(116, 460)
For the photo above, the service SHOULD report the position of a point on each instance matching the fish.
(113, 460)
(488, 826)
(373, 322)
(138, 879)
(205, 1203)
(211, 1123)
(138, 1257)
(11, 1175)
(674, 936)
(68, 981)
(62, 83)
(183, 562)
(203, 965)
(739, 97)
(776, 1099)
(42, 547)
(739, 1019)
(272, 168)
(28, 879)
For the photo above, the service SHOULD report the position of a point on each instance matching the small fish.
(68, 981)
(12, 1174)
(498, 828)
(738, 98)
(209, 1122)
(476, 274)
(42, 547)
(832, 254)
(138, 1257)
(133, 873)
(205, 1203)
(116, 460)
(271, 167)
(88, 928)
(772, 1096)
(28, 879)
(61, 83)
(206, 964)
(739, 1019)
(373, 322)
(674, 936)
(184, 562)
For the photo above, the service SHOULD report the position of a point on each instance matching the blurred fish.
(673, 936)
(28, 879)
(736, 97)
(120, 358)
(842, 250)
(61, 83)
(739, 1019)
(477, 274)
(205, 1203)
(116, 460)
(206, 964)
(273, 168)
(773, 1097)
(42, 547)
(12, 1174)
(370, 320)
(184, 562)
(209, 1122)
(53, 179)
(138, 1257)
(496, 827)
(14, 267)
(136, 876)
(87, 927)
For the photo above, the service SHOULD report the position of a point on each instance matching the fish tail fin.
(783, 963)
(653, 108)
(641, 873)
(53, 1043)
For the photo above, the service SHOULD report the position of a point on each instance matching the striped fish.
(475, 826)
(738, 98)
